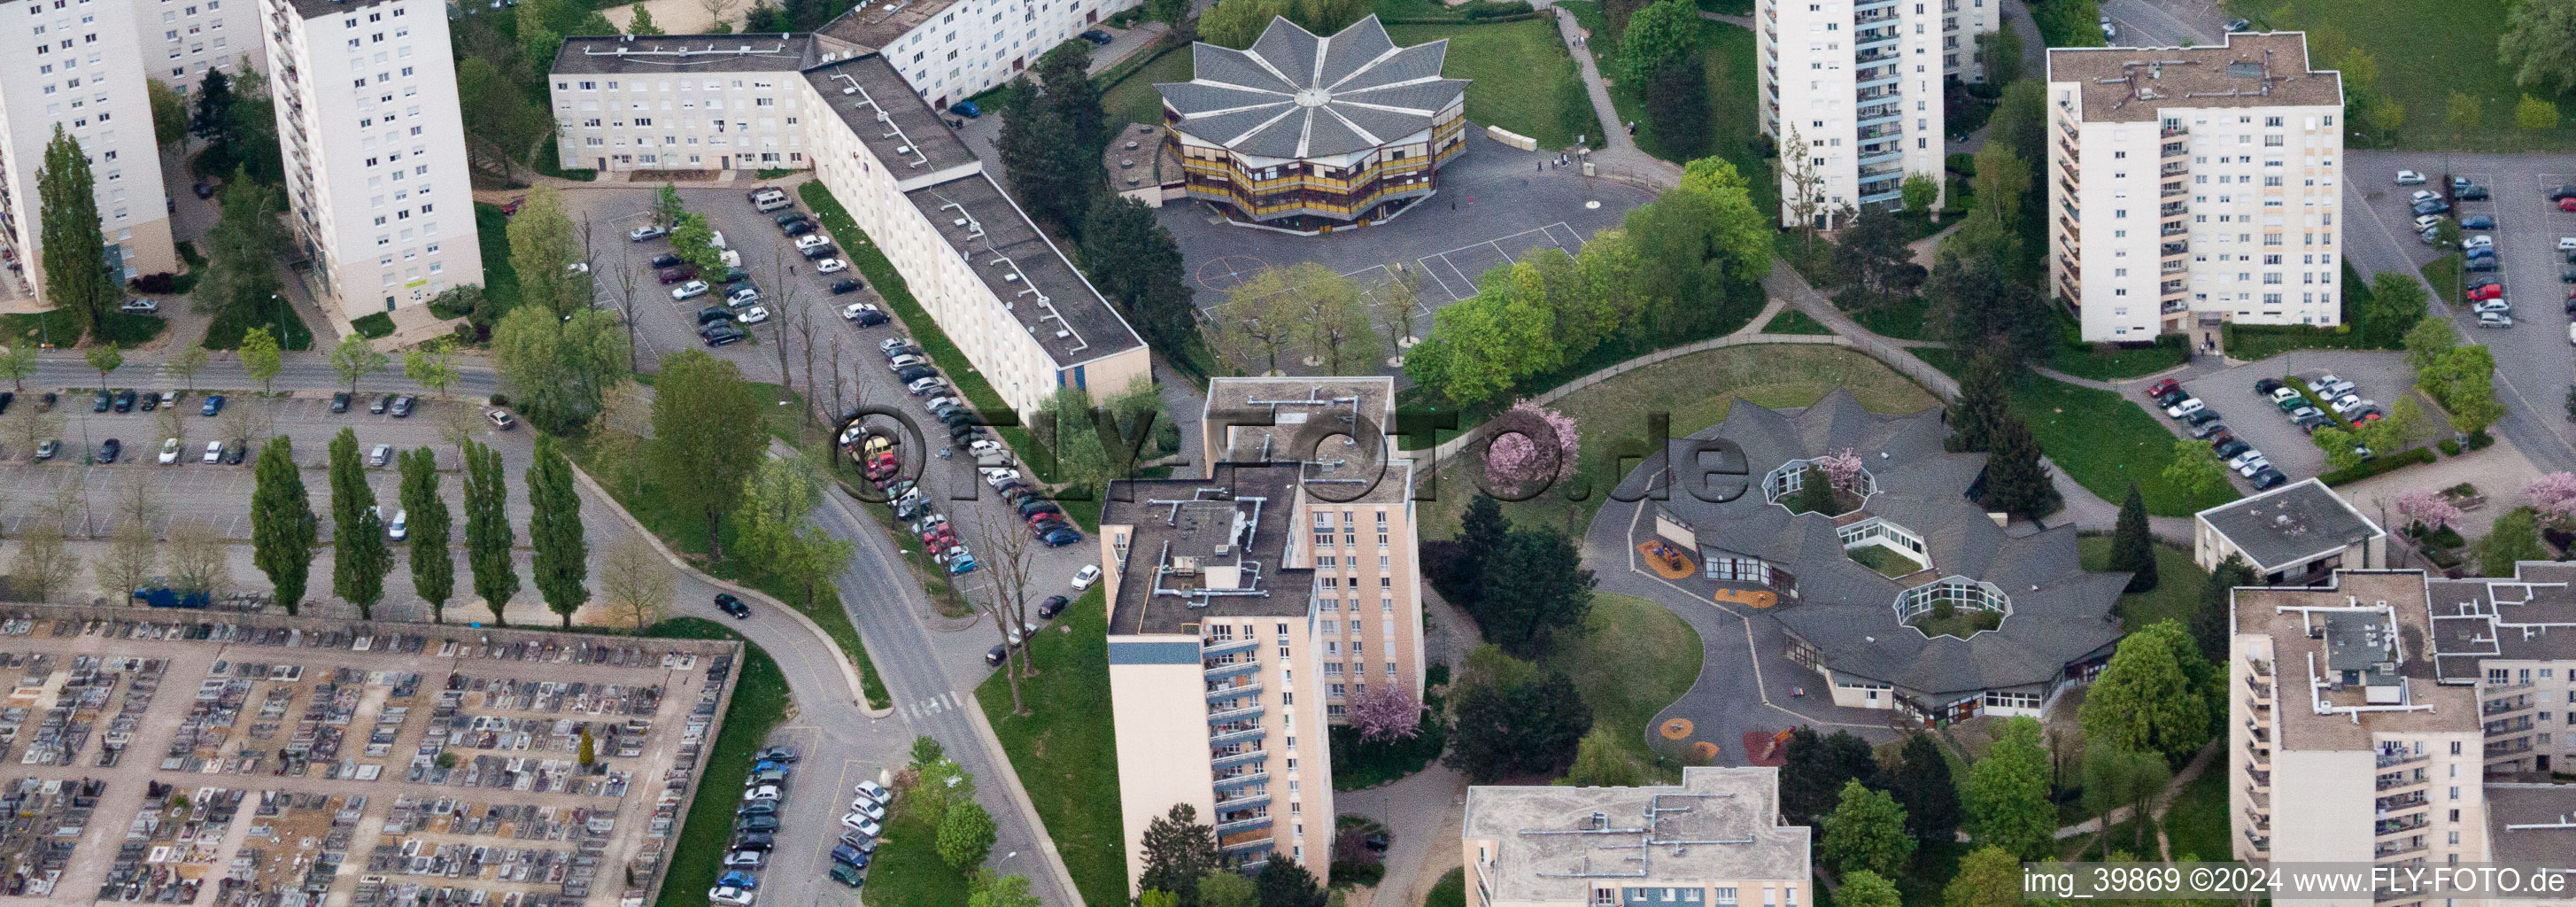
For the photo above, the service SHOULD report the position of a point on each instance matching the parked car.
(2480, 264)
(2490, 305)
(2435, 206)
(402, 405)
(378, 406)
(916, 373)
(2486, 291)
(2495, 319)
(727, 603)
(831, 266)
(2567, 204)
(755, 840)
(645, 232)
(859, 823)
(2409, 178)
(714, 314)
(2185, 407)
(745, 295)
(380, 455)
(124, 401)
(2470, 193)
(797, 227)
(170, 452)
(109, 449)
(691, 290)
(848, 876)
(751, 859)
(214, 452)
(865, 315)
(846, 855)
(2163, 387)
(1083, 578)
(811, 240)
(2233, 26)
(675, 275)
(2204, 416)
(2477, 222)
(967, 109)
(825, 250)
(140, 306)
(340, 402)
(234, 452)
(1096, 36)
(46, 449)
(2268, 387)
(844, 285)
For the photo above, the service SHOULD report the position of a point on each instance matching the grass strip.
(906, 870)
(759, 703)
(1635, 657)
(1065, 750)
(60, 327)
(1792, 321)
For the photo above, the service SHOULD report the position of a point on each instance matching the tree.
(73, 250)
(1922, 191)
(282, 527)
(2427, 342)
(2007, 794)
(18, 363)
(1657, 37)
(2016, 482)
(1864, 888)
(1978, 417)
(555, 370)
(693, 240)
(1070, 94)
(1177, 852)
(1530, 727)
(1865, 832)
(2020, 119)
(133, 553)
(2515, 537)
(2552, 496)
(354, 359)
(260, 357)
(1736, 232)
(240, 278)
(1227, 888)
(2397, 302)
(2116, 777)
(2535, 115)
(965, 835)
(2210, 624)
(359, 558)
(2153, 696)
(2133, 551)
(2386, 114)
(1814, 770)
(1872, 259)
(2002, 176)
(1386, 711)
(1259, 319)
(169, 113)
(642, 22)
(1335, 325)
(2463, 113)
(1283, 883)
(488, 538)
(2341, 450)
(1923, 787)
(252, 147)
(717, 10)
(2539, 43)
(773, 528)
(1530, 446)
(1815, 493)
(212, 119)
(989, 890)
(433, 568)
(1676, 100)
(706, 437)
(561, 559)
(1135, 262)
(1535, 589)
(2000, 52)
(1050, 169)
(104, 358)
(1602, 761)
(43, 564)
(634, 582)
(543, 247)
(1989, 876)
(2462, 379)
(1168, 12)
(1976, 303)
(2195, 468)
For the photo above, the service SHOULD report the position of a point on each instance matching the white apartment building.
(687, 102)
(376, 173)
(183, 40)
(1714, 840)
(2333, 690)
(2513, 639)
(78, 68)
(2190, 186)
(1858, 84)
(951, 50)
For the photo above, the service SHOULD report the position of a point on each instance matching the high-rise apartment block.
(1851, 90)
(376, 177)
(951, 50)
(1248, 609)
(183, 40)
(2190, 186)
(80, 69)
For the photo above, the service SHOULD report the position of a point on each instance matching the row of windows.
(665, 85)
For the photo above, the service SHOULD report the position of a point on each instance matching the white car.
(2409, 178)
(1083, 578)
(2332, 386)
(763, 792)
(831, 266)
(730, 895)
(383, 454)
(2567, 244)
(2110, 32)
(810, 240)
(743, 296)
(691, 290)
(751, 315)
(869, 807)
(2239, 461)
(856, 310)
(645, 232)
(860, 823)
(984, 448)
(2491, 305)
(2351, 403)
(936, 404)
(899, 363)
(214, 452)
(1000, 477)
(2423, 195)
(2426, 222)
(921, 386)
(2495, 319)
(2480, 240)
(141, 306)
(889, 345)
(2258, 464)
(2185, 407)
(873, 791)
(169, 451)
(400, 528)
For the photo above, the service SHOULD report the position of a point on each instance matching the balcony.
(2072, 270)
(2173, 230)
(2173, 190)
(2516, 747)
(2401, 803)
(2175, 150)
(1883, 113)
(2174, 130)
(2262, 798)
(2501, 706)
(2385, 851)
(2174, 307)
(1868, 158)
(1244, 688)
(2393, 760)
(2260, 732)
(2176, 267)
(2261, 820)
(2260, 842)
(2262, 755)
(2170, 288)
(1248, 823)
(1220, 716)
(1873, 133)
(2400, 779)
(1239, 779)
(1244, 845)
(2171, 250)
(1241, 802)
(2172, 170)
(2513, 726)
(1873, 57)
(2262, 777)
(1220, 645)
(2386, 827)
(1231, 668)
(2172, 209)
(1219, 736)
(1222, 760)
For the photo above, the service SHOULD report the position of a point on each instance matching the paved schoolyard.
(2382, 375)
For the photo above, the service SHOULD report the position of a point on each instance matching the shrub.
(161, 284)
(374, 325)
(2378, 465)
(2478, 440)
(2450, 448)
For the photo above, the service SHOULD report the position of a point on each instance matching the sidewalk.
(1619, 149)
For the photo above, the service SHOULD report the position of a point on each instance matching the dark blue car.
(214, 404)
(966, 109)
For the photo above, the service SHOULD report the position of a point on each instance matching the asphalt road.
(2165, 23)
(309, 370)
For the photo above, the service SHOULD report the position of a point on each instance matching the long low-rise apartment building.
(2190, 186)
(1714, 840)
(997, 286)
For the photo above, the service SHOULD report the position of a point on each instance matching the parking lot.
(2534, 368)
(274, 757)
(2381, 376)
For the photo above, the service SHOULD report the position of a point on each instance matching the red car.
(2567, 204)
(675, 275)
(2163, 387)
(2366, 418)
(2490, 291)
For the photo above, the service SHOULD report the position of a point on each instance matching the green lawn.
(2102, 440)
(1696, 390)
(1450, 891)
(1884, 559)
(1064, 749)
(281, 320)
(1135, 100)
(1635, 658)
(1902, 319)
(1524, 80)
(500, 283)
(2196, 822)
(759, 704)
(1792, 321)
(2178, 583)
(1965, 623)
(2426, 49)
(59, 327)
(1733, 88)
(2444, 274)
(373, 325)
(906, 870)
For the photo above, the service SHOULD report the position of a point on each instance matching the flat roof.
(1334, 426)
(2131, 84)
(898, 127)
(2544, 810)
(1024, 269)
(674, 54)
(875, 23)
(1721, 824)
(1203, 548)
(2290, 524)
(2260, 611)
(2530, 616)
(1139, 159)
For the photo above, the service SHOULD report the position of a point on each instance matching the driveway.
(2533, 368)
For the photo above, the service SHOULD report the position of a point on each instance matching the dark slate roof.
(2290, 524)
(1050, 299)
(2542, 810)
(898, 127)
(2529, 617)
(683, 54)
(2060, 613)
(1296, 95)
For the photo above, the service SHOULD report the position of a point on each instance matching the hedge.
(2378, 465)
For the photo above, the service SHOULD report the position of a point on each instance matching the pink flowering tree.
(1530, 446)
(2553, 495)
(2433, 511)
(1384, 711)
(1843, 469)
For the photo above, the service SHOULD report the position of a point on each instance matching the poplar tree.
(281, 523)
(433, 568)
(487, 530)
(562, 558)
(75, 252)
